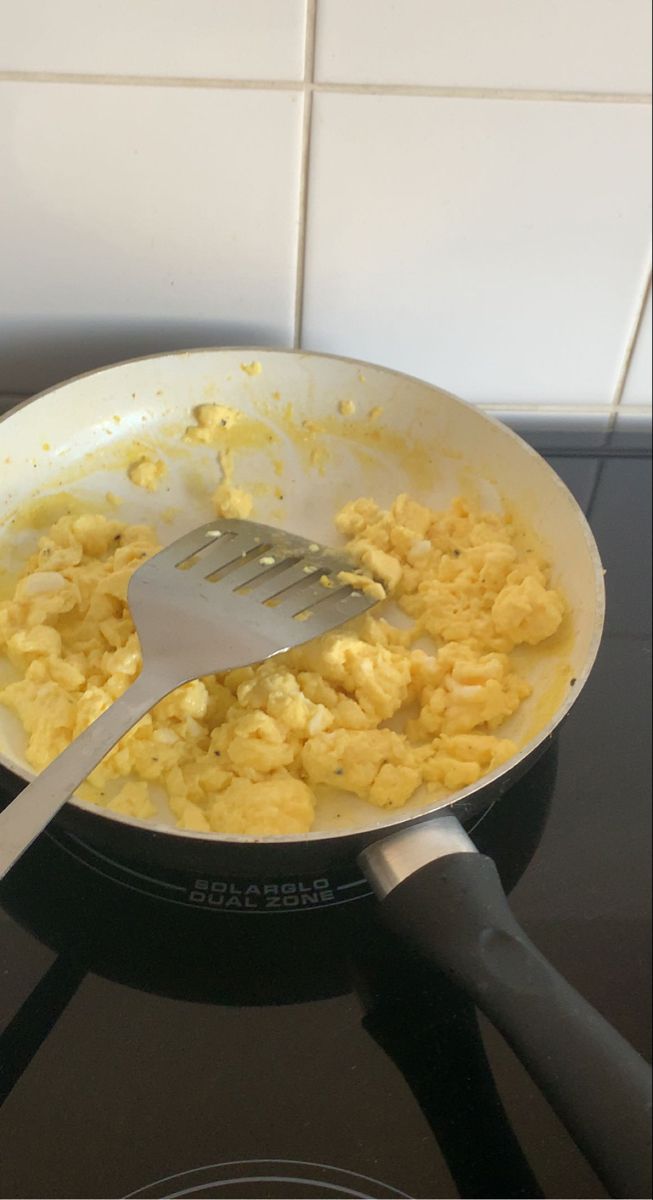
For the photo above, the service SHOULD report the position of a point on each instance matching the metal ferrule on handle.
(390, 861)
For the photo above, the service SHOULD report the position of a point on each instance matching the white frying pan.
(78, 439)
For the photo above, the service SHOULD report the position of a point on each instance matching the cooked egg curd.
(248, 752)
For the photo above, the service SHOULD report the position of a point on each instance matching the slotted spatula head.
(234, 592)
(227, 595)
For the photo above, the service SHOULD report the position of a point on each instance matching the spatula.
(226, 595)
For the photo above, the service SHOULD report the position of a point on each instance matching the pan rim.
(448, 804)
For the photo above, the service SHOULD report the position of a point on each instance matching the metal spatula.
(226, 595)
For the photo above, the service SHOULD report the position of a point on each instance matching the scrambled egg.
(249, 751)
(147, 473)
(346, 408)
(211, 422)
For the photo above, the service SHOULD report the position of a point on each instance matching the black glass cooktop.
(155, 1044)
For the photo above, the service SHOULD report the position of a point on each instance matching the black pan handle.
(447, 901)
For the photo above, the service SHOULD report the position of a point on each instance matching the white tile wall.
(638, 381)
(457, 187)
(143, 217)
(485, 245)
(570, 45)
(232, 39)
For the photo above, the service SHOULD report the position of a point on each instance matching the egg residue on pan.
(250, 751)
(147, 473)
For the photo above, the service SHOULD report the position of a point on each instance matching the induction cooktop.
(156, 1043)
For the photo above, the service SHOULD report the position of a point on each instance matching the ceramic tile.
(638, 380)
(491, 248)
(247, 39)
(142, 219)
(575, 45)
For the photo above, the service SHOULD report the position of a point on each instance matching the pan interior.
(318, 431)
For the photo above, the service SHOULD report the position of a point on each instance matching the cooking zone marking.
(291, 1177)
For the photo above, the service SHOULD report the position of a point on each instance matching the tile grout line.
(555, 407)
(483, 93)
(310, 85)
(624, 370)
(304, 166)
(599, 471)
(169, 81)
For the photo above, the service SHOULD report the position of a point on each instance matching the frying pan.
(73, 444)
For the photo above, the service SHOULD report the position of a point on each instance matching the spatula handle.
(27, 815)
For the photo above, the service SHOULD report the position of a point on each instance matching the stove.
(156, 1042)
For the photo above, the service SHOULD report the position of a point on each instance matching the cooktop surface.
(156, 1040)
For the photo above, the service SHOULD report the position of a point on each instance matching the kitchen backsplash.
(456, 188)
